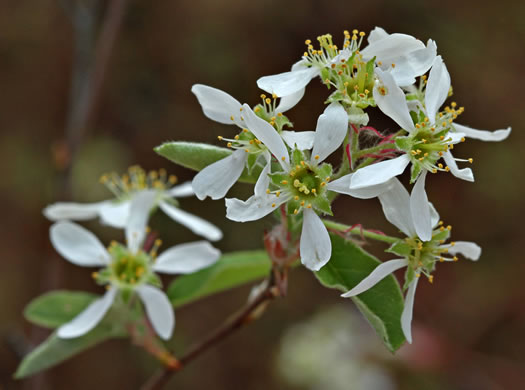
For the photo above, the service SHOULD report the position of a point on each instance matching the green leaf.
(232, 270)
(382, 305)
(197, 156)
(55, 350)
(55, 308)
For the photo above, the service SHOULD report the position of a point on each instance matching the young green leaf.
(382, 305)
(55, 308)
(55, 350)
(232, 270)
(197, 156)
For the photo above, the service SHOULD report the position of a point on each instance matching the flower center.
(127, 268)
(345, 69)
(137, 179)
(424, 255)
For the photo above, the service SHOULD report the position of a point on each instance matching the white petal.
(437, 88)
(302, 140)
(268, 135)
(78, 245)
(393, 102)
(289, 101)
(158, 309)
(187, 258)
(195, 224)
(420, 209)
(413, 64)
(141, 204)
(483, 135)
(376, 34)
(396, 207)
(315, 246)
(89, 318)
(72, 211)
(263, 181)
(464, 173)
(470, 250)
(216, 179)
(377, 275)
(181, 191)
(434, 215)
(391, 46)
(287, 83)
(217, 105)
(331, 130)
(379, 173)
(406, 316)
(115, 214)
(254, 208)
(342, 186)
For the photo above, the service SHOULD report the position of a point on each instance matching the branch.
(236, 322)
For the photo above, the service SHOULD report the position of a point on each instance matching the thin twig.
(236, 322)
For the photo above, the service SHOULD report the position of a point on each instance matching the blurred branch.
(90, 65)
(243, 317)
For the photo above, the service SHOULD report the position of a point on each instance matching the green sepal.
(441, 235)
(370, 66)
(278, 178)
(297, 157)
(154, 280)
(404, 143)
(321, 203)
(198, 156)
(292, 205)
(400, 248)
(414, 172)
(251, 161)
(324, 171)
(382, 304)
(325, 74)
(410, 274)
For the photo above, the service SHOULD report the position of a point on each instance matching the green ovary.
(305, 183)
(128, 268)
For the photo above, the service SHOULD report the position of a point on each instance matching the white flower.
(115, 212)
(420, 257)
(410, 58)
(428, 140)
(216, 179)
(302, 185)
(128, 268)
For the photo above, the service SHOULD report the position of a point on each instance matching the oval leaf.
(382, 305)
(231, 270)
(55, 308)
(55, 350)
(197, 156)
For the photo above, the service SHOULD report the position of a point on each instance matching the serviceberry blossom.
(115, 212)
(431, 135)
(419, 256)
(250, 146)
(302, 185)
(351, 70)
(128, 269)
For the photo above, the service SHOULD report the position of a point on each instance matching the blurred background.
(468, 327)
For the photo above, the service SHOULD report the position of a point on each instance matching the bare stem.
(234, 323)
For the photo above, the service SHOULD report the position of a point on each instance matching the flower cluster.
(409, 82)
(296, 182)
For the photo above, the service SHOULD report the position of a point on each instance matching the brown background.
(468, 324)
